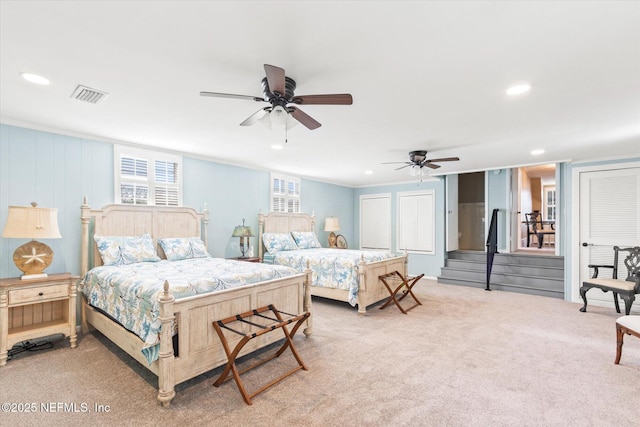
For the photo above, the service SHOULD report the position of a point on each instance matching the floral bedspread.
(332, 268)
(129, 293)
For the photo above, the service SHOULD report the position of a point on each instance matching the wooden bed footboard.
(198, 347)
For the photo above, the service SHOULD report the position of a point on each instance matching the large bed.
(369, 289)
(187, 344)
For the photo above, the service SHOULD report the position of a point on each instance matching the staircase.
(528, 274)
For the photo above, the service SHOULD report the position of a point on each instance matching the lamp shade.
(25, 222)
(242, 231)
(331, 224)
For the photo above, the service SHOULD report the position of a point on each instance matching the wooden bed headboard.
(283, 222)
(134, 220)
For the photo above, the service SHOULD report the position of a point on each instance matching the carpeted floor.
(466, 357)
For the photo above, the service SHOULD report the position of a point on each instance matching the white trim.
(287, 197)
(374, 196)
(429, 192)
(151, 156)
(574, 278)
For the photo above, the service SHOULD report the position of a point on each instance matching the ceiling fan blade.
(431, 165)
(402, 167)
(275, 78)
(334, 99)
(231, 95)
(445, 159)
(253, 119)
(304, 118)
(396, 163)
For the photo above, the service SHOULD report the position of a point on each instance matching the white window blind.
(145, 177)
(285, 193)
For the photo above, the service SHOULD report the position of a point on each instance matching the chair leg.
(628, 301)
(540, 240)
(615, 301)
(583, 294)
(619, 342)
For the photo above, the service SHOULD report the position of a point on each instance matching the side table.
(36, 308)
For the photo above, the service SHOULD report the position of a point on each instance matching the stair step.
(504, 287)
(514, 279)
(509, 258)
(523, 273)
(535, 270)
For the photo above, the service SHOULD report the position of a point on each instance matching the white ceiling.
(423, 75)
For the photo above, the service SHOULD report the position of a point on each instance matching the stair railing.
(492, 245)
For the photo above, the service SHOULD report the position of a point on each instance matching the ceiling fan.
(418, 160)
(278, 91)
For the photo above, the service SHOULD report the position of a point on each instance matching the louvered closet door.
(609, 216)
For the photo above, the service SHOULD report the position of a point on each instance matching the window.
(550, 203)
(285, 193)
(416, 221)
(145, 177)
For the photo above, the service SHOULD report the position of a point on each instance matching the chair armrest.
(595, 269)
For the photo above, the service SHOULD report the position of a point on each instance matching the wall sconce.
(243, 231)
(332, 224)
(25, 222)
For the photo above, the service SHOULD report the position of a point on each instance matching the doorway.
(608, 213)
(536, 201)
(471, 211)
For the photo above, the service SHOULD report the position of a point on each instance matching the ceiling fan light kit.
(278, 90)
(418, 161)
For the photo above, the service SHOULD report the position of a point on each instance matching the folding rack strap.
(278, 323)
(405, 284)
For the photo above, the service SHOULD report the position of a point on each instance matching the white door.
(375, 221)
(609, 216)
(452, 212)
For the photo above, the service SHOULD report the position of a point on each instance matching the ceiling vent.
(86, 94)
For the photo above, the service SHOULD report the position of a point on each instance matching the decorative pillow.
(120, 250)
(183, 248)
(276, 242)
(306, 239)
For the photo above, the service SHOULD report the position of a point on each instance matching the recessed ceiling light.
(537, 152)
(34, 78)
(519, 89)
(277, 147)
(368, 172)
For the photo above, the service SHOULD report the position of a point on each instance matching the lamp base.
(332, 240)
(32, 258)
(33, 276)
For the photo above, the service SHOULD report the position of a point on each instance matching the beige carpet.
(467, 357)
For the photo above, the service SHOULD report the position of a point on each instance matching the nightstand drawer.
(37, 294)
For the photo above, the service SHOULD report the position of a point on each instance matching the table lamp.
(243, 231)
(332, 224)
(25, 222)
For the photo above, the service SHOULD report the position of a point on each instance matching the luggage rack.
(404, 284)
(258, 329)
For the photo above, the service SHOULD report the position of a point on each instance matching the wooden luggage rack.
(404, 284)
(276, 322)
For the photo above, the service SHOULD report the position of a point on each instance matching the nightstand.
(36, 308)
(248, 259)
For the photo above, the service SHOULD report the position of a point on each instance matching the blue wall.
(58, 171)
(429, 264)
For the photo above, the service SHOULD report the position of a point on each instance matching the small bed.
(366, 266)
(179, 342)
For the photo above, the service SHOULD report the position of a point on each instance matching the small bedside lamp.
(25, 222)
(243, 231)
(332, 224)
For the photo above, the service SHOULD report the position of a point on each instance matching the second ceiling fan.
(278, 90)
